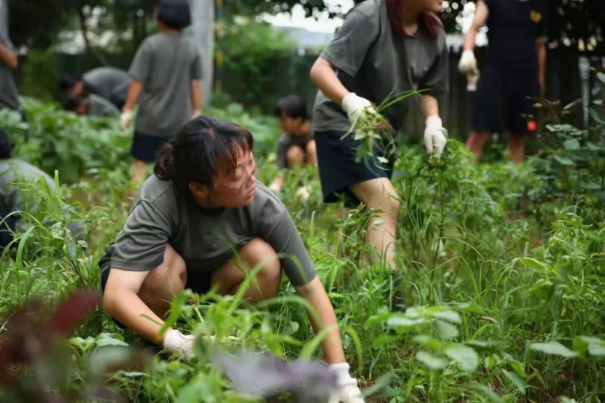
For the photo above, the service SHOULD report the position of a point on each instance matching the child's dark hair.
(74, 102)
(200, 150)
(293, 106)
(5, 146)
(174, 14)
(68, 81)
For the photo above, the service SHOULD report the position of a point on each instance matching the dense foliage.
(503, 269)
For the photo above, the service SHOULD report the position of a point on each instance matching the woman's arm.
(8, 57)
(317, 297)
(541, 49)
(325, 78)
(430, 106)
(479, 21)
(121, 301)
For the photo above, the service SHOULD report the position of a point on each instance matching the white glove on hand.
(125, 120)
(348, 391)
(274, 187)
(468, 63)
(196, 114)
(354, 106)
(303, 193)
(177, 342)
(434, 136)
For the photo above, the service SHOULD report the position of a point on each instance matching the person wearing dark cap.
(107, 82)
(166, 74)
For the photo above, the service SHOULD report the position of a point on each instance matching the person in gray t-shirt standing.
(203, 221)
(9, 96)
(166, 74)
(384, 47)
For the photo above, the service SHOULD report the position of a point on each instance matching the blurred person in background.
(384, 48)
(166, 74)
(513, 74)
(91, 105)
(9, 95)
(107, 82)
(203, 221)
(296, 145)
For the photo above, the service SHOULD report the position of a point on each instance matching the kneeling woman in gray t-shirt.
(202, 204)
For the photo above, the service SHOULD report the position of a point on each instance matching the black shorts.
(145, 147)
(338, 169)
(504, 98)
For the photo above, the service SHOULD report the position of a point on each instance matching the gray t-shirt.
(15, 170)
(108, 82)
(100, 106)
(166, 64)
(374, 62)
(9, 96)
(206, 239)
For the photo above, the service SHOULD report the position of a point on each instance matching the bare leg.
(475, 143)
(311, 153)
(516, 146)
(379, 193)
(231, 275)
(295, 156)
(164, 283)
(139, 172)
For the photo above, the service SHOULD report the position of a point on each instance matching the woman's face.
(233, 189)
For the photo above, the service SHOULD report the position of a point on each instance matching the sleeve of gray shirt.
(141, 244)
(350, 45)
(142, 64)
(436, 79)
(278, 230)
(196, 67)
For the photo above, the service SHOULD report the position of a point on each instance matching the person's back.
(99, 106)
(166, 64)
(109, 83)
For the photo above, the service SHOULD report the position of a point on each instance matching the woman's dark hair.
(293, 106)
(200, 150)
(5, 146)
(430, 21)
(175, 14)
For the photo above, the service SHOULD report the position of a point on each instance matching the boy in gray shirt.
(166, 74)
(107, 82)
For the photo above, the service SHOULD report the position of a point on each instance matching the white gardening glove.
(125, 120)
(303, 193)
(348, 391)
(468, 63)
(196, 114)
(177, 342)
(434, 136)
(354, 106)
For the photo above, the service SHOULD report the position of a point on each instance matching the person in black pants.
(513, 74)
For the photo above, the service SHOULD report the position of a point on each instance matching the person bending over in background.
(91, 105)
(296, 145)
(9, 95)
(514, 71)
(13, 171)
(166, 74)
(384, 47)
(106, 82)
(202, 204)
